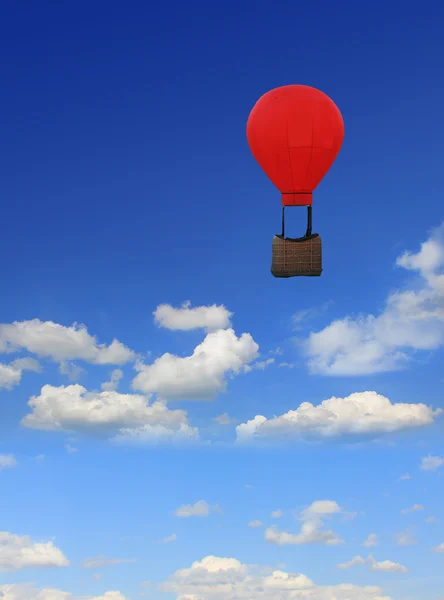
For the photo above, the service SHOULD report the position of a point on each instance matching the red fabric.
(295, 133)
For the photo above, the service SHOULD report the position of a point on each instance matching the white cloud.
(312, 520)
(97, 562)
(210, 318)
(255, 524)
(111, 385)
(412, 320)
(28, 591)
(372, 540)
(277, 514)
(224, 419)
(431, 463)
(215, 578)
(11, 374)
(259, 365)
(20, 552)
(405, 477)
(439, 548)
(170, 538)
(199, 509)
(387, 566)
(359, 413)
(73, 408)
(48, 339)
(200, 376)
(7, 461)
(71, 370)
(414, 508)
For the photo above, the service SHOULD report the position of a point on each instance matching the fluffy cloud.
(311, 533)
(51, 340)
(359, 413)
(277, 514)
(73, 408)
(201, 375)
(255, 524)
(199, 509)
(111, 385)
(11, 374)
(28, 591)
(97, 562)
(185, 318)
(20, 552)
(7, 461)
(372, 540)
(215, 578)
(386, 565)
(439, 548)
(431, 463)
(169, 538)
(412, 320)
(223, 419)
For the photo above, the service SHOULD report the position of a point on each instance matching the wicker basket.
(292, 257)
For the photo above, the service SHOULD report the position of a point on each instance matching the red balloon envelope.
(295, 133)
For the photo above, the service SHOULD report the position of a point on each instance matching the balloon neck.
(297, 199)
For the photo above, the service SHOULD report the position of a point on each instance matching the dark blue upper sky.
(124, 155)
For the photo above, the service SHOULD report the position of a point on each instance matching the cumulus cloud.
(431, 463)
(51, 340)
(277, 514)
(215, 578)
(312, 518)
(111, 385)
(20, 552)
(439, 548)
(223, 419)
(71, 370)
(73, 408)
(97, 562)
(359, 413)
(412, 320)
(202, 375)
(7, 461)
(387, 566)
(199, 509)
(255, 524)
(11, 374)
(185, 318)
(372, 540)
(405, 477)
(28, 591)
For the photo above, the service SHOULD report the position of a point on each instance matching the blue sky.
(138, 307)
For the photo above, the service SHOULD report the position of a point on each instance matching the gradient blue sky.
(127, 184)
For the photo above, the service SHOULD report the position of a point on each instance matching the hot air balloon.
(295, 133)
